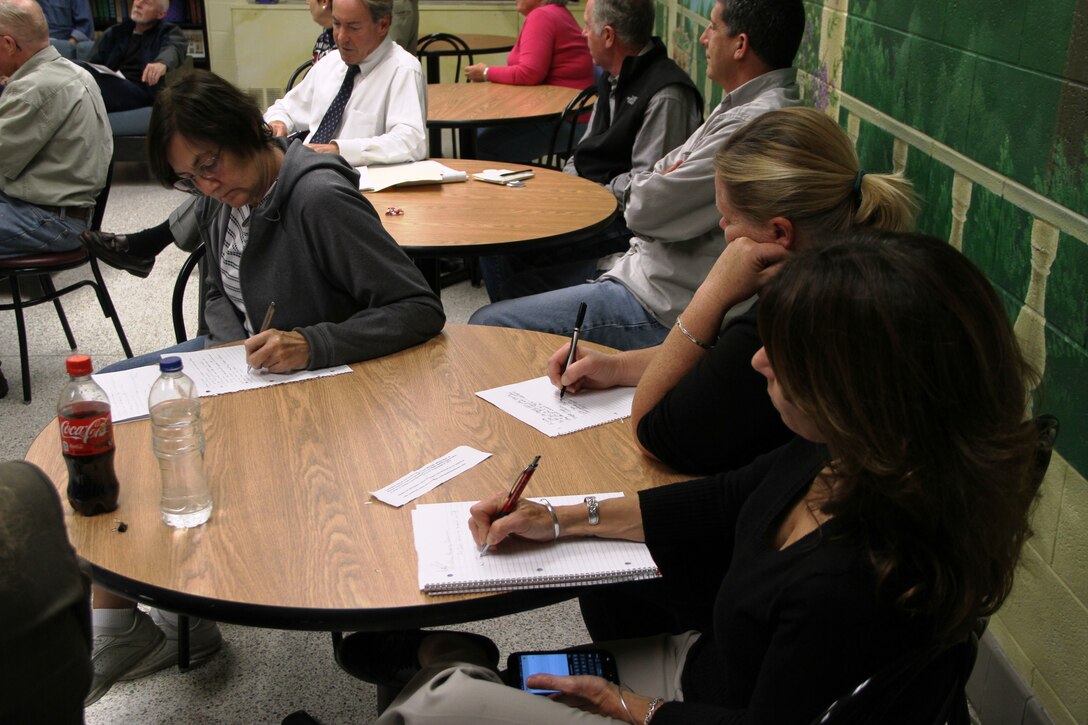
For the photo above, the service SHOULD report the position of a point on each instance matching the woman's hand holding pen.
(591, 370)
(277, 351)
(528, 520)
(620, 518)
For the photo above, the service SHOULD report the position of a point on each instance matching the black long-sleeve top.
(719, 416)
(793, 629)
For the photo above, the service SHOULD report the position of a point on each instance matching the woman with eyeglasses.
(285, 224)
(288, 225)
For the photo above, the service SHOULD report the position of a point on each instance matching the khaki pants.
(459, 690)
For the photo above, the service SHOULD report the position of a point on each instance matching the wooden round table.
(468, 106)
(295, 541)
(475, 217)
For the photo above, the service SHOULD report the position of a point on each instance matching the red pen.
(514, 495)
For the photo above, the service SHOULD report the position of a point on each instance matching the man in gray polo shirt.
(750, 45)
(55, 140)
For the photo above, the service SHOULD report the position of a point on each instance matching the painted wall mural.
(984, 105)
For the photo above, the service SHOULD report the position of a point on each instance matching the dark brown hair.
(898, 349)
(203, 107)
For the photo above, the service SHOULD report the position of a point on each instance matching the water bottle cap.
(78, 364)
(170, 364)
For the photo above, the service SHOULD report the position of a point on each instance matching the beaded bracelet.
(688, 335)
(653, 706)
(555, 519)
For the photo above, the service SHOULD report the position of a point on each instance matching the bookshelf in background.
(186, 14)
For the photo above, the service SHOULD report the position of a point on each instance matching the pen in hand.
(514, 495)
(269, 313)
(573, 344)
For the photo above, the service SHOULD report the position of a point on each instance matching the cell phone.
(522, 665)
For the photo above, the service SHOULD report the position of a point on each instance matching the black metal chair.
(41, 266)
(298, 74)
(458, 49)
(578, 107)
(177, 301)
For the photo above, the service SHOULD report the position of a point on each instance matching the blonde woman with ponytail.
(785, 181)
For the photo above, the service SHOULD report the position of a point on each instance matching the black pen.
(573, 344)
(514, 495)
(519, 171)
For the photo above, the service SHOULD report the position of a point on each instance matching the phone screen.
(561, 663)
(551, 663)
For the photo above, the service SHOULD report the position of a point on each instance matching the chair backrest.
(563, 144)
(177, 302)
(298, 73)
(918, 689)
(101, 201)
(459, 45)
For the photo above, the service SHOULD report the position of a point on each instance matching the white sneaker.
(115, 654)
(204, 641)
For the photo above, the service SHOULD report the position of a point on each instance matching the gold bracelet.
(688, 335)
(630, 717)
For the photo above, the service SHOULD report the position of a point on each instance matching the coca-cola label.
(86, 436)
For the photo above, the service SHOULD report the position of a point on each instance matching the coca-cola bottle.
(86, 440)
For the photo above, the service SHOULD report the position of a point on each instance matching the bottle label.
(86, 436)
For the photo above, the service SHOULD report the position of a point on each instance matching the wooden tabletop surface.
(477, 43)
(472, 216)
(295, 540)
(450, 105)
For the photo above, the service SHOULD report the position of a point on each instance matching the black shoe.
(3, 385)
(104, 245)
(391, 659)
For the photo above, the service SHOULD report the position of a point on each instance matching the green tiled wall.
(1002, 87)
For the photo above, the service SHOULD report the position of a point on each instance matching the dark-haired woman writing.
(892, 360)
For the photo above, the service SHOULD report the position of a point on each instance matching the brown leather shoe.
(113, 250)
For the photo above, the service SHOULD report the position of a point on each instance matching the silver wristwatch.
(594, 510)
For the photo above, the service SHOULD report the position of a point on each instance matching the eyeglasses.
(204, 170)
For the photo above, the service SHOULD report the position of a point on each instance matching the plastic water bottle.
(177, 438)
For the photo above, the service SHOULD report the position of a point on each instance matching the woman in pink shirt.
(550, 50)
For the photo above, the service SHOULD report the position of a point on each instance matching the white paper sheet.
(537, 403)
(415, 484)
(384, 176)
(214, 372)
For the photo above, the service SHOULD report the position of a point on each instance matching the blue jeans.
(152, 358)
(613, 315)
(81, 51)
(520, 274)
(29, 229)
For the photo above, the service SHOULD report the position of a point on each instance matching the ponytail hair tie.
(857, 187)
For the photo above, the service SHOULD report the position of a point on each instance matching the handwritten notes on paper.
(449, 560)
(420, 481)
(537, 403)
(214, 372)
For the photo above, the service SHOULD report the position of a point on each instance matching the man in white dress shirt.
(381, 119)
(384, 119)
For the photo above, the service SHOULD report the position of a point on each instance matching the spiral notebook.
(537, 403)
(450, 562)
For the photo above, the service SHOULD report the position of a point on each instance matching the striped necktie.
(331, 121)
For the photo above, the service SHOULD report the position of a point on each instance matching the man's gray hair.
(379, 9)
(633, 20)
(165, 4)
(24, 21)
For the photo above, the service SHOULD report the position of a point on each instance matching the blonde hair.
(798, 164)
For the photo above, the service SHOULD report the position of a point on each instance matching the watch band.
(486, 68)
(593, 508)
